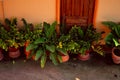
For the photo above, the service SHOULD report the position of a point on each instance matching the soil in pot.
(116, 55)
(117, 52)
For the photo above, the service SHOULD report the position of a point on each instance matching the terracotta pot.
(116, 55)
(27, 53)
(13, 52)
(1, 55)
(65, 58)
(84, 57)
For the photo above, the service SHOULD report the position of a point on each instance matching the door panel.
(77, 12)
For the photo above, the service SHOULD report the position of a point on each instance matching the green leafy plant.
(29, 31)
(82, 39)
(3, 37)
(113, 38)
(45, 46)
(14, 38)
(98, 49)
(78, 44)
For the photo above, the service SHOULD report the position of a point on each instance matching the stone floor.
(97, 68)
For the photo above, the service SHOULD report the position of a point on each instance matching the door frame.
(58, 11)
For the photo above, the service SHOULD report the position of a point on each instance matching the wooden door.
(77, 12)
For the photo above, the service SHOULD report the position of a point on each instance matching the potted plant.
(83, 40)
(30, 33)
(62, 47)
(49, 45)
(43, 46)
(113, 40)
(1, 50)
(3, 36)
(14, 40)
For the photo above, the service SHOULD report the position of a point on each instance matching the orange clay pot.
(84, 57)
(65, 58)
(27, 53)
(116, 55)
(14, 52)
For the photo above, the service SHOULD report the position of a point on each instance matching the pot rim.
(113, 53)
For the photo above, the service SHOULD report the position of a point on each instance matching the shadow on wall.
(100, 27)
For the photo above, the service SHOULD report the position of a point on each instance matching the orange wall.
(1, 11)
(35, 11)
(45, 10)
(107, 10)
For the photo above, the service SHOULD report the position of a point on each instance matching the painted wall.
(45, 10)
(34, 11)
(107, 10)
(1, 11)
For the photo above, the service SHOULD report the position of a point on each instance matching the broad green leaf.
(38, 54)
(111, 25)
(32, 53)
(51, 30)
(80, 32)
(109, 38)
(63, 51)
(53, 57)
(50, 48)
(40, 40)
(46, 28)
(117, 30)
(64, 38)
(59, 58)
(83, 50)
(54, 23)
(116, 42)
(31, 46)
(43, 60)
